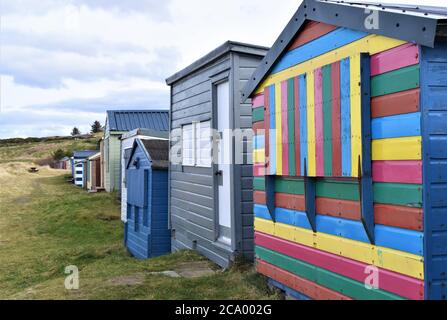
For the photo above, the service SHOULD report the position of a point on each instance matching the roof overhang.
(405, 22)
(229, 46)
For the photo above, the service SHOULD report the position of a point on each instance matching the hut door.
(223, 177)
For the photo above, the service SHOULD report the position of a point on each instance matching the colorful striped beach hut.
(350, 153)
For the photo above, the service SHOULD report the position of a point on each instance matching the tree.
(75, 132)
(96, 127)
(58, 154)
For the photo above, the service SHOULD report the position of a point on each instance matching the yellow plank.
(311, 145)
(356, 116)
(406, 148)
(259, 156)
(278, 129)
(389, 259)
(372, 44)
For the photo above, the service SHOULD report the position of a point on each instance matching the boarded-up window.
(188, 145)
(204, 145)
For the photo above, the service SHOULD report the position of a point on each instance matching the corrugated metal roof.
(127, 120)
(83, 154)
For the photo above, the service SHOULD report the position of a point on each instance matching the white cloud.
(64, 62)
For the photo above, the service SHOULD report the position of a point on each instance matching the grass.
(28, 150)
(47, 224)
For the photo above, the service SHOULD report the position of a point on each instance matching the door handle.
(219, 173)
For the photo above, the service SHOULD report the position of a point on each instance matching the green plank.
(398, 194)
(327, 120)
(291, 125)
(325, 278)
(258, 114)
(343, 190)
(259, 183)
(292, 186)
(395, 81)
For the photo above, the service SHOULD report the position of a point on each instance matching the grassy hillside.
(32, 149)
(47, 224)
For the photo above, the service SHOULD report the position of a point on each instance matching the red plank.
(303, 286)
(290, 201)
(393, 59)
(267, 127)
(399, 284)
(399, 216)
(338, 208)
(311, 31)
(396, 103)
(397, 171)
(258, 128)
(336, 121)
(258, 100)
(259, 197)
(296, 85)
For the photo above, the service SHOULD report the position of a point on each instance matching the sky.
(63, 63)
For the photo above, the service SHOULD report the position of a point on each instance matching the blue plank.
(286, 216)
(295, 294)
(259, 142)
(388, 237)
(272, 136)
(303, 121)
(345, 80)
(402, 125)
(400, 239)
(331, 41)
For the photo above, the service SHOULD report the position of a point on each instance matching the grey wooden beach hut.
(211, 205)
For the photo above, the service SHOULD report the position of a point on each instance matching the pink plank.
(259, 170)
(399, 284)
(285, 129)
(258, 100)
(397, 171)
(393, 59)
(319, 138)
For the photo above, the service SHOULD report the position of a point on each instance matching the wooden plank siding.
(192, 190)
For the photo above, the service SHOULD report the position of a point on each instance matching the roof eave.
(219, 52)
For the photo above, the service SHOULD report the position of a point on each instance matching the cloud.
(158, 10)
(37, 67)
(60, 117)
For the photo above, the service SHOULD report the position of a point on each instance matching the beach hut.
(211, 207)
(147, 234)
(351, 152)
(78, 166)
(119, 122)
(127, 141)
(94, 172)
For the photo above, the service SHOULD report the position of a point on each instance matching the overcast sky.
(63, 63)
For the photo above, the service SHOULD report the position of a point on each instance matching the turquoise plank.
(345, 81)
(402, 125)
(259, 142)
(331, 41)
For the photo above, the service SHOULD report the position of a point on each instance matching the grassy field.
(31, 150)
(47, 224)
